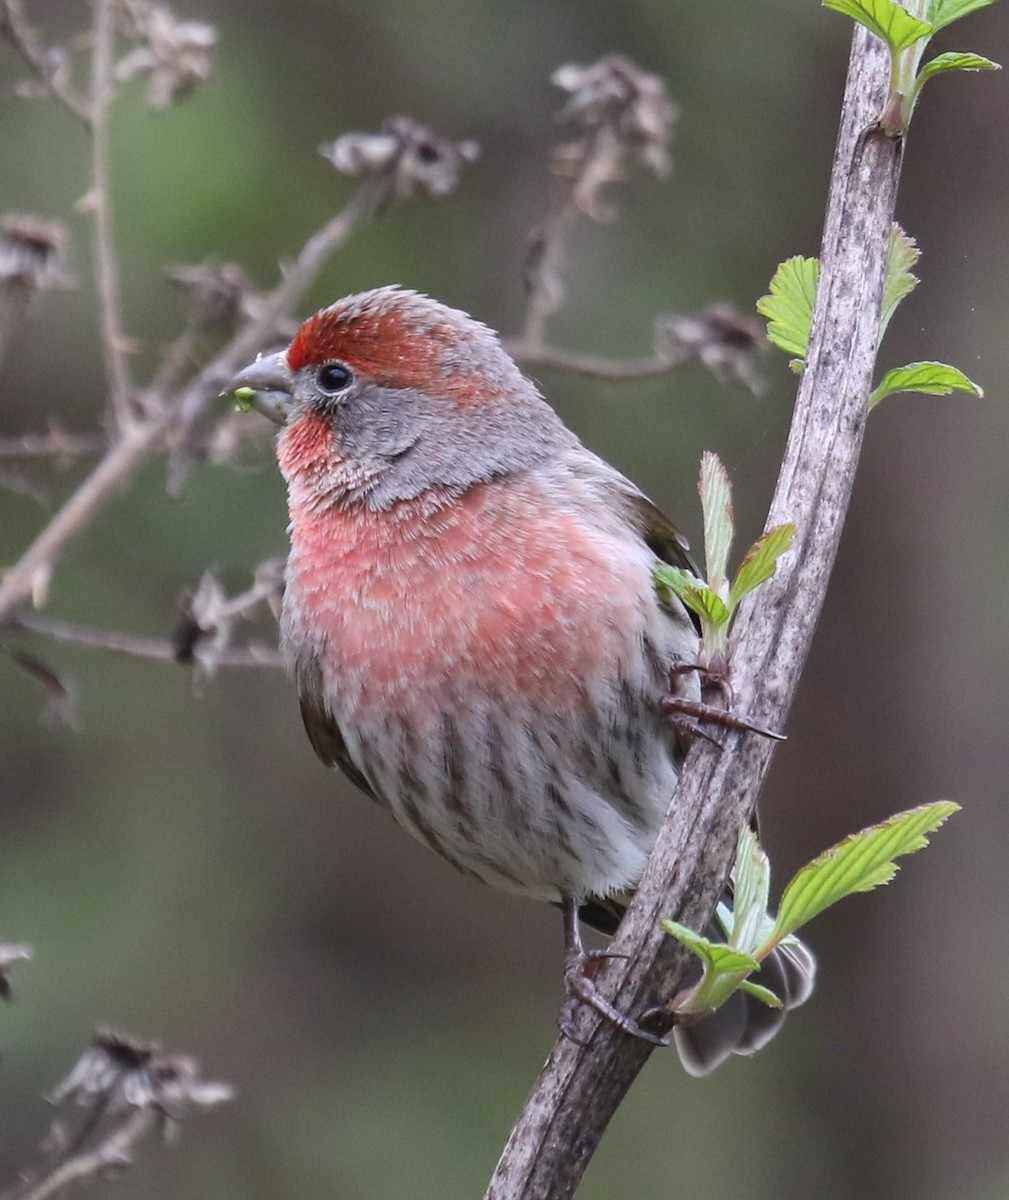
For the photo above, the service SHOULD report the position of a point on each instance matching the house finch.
(471, 620)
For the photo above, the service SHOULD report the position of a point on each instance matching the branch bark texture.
(580, 1087)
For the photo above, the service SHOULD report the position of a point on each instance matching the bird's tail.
(743, 1024)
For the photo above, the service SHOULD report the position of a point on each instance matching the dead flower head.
(725, 341)
(33, 253)
(403, 158)
(214, 293)
(627, 120)
(116, 1074)
(10, 956)
(175, 55)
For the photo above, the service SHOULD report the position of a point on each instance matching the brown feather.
(327, 741)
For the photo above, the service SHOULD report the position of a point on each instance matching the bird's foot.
(581, 988)
(580, 966)
(691, 716)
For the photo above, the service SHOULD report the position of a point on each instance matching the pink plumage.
(471, 618)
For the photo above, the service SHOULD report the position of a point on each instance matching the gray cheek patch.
(409, 441)
(377, 423)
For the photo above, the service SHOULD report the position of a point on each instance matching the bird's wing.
(616, 491)
(660, 534)
(327, 740)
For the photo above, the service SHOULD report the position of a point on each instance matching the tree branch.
(254, 655)
(29, 576)
(112, 1154)
(580, 1087)
(124, 1090)
(537, 354)
(55, 444)
(298, 277)
(50, 66)
(114, 344)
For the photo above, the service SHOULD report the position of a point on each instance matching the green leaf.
(788, 306)
(944, 12)
(694, 593)
(931, 378)
(765, 995)
(955, 61)
(886, 20)
(724, 970)
(858, 864)
(243, 398)
(751, 887)
(676, 579)
(716, 505)
(760, 561)
(716, 955)
(707, 604)
(902, 254)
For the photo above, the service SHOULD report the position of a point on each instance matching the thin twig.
(115, 1152)
(22, 37)
(531, 354)
(53, 445)
(157, 649)
(297, 279)
(179, 357)
(114, 343)
(29, 576)
(581, 1086)
(543, 281)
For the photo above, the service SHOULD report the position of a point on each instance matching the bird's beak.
(266, 386)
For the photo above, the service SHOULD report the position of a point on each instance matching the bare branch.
(115, 1153)
(50, 65)
(720, 339)
(209, 616)
(543, 281)
(254, 655)
(29, 576)
(625, 120)
(531, 353)
(114, 343)
(298, 277)
(126, 1090)
(55, 444)
(580, 1087)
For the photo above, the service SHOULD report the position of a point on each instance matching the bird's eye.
(333, 377)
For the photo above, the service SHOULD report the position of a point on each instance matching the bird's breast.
(497, 587)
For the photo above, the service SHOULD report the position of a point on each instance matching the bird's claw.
(691, 716)
(581, 989)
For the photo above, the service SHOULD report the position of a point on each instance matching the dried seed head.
(10, 956)
(725, 341)
(627, 120)
(402, 158)
(33, 253)
(117, 1073)
(214, 293)
(175, 55)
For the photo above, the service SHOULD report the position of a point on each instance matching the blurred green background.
(186, 869)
